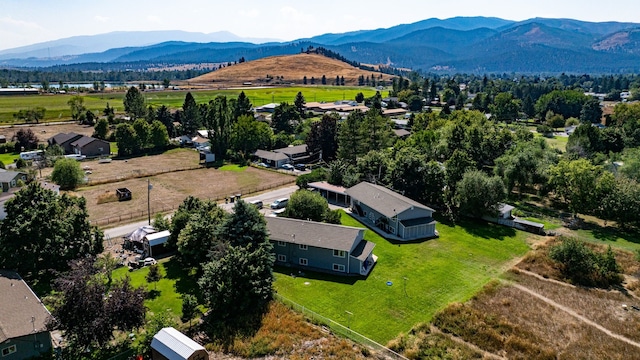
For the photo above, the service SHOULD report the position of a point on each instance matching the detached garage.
(171, 344)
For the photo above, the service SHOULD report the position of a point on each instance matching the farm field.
(170, 189)
(58, 110)
(450, 268)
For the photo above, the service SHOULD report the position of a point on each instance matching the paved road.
(267, 198)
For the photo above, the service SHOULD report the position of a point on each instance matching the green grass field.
(9, 158)
(556, 142)
(165, 294)
(57, 108)
(448, 269)
(233, 167)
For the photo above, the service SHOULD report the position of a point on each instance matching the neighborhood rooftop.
(270, 155)
(321, 235)
(82, 141)
(292, 150)
(21, 312)
(383, 200)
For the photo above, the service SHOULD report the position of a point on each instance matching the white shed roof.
(158, 238)
(174, 345)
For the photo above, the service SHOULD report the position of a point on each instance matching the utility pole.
(149, 187)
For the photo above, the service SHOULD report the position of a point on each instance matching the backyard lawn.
(450, 268)
(165, 294)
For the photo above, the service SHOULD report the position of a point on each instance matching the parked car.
(280, 203)
(301, 167)
(263, 165)
(256, 203)
(149, 261)
(287, 167)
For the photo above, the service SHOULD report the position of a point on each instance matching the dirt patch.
(170, 189)
(46, 131)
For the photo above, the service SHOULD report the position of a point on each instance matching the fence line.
(140, 214)
(340, 329)
(134, 174)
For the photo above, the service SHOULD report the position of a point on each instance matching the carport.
(334, 194)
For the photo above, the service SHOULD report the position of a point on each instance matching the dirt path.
(485, 354)
(576, 315)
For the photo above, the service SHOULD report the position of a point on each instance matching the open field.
(170, 189)
(556, 142)
(45, 131)
(291, 68)
(58, 110)
(451, 268)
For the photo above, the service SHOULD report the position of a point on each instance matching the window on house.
(282, 243)
(302, 247)
(303, 261)
(9, 350)
(282, 258)
(338, 267)
(339, 253)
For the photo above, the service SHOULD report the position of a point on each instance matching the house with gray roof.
(394, 216)
(296, 154)
(23, 320)
(90, 146)
(64, 140)
(271, 158)
(9, 179)
(321, 247)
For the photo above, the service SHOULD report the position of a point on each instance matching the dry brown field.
(292, 67)
(45, 131)
(170, 189)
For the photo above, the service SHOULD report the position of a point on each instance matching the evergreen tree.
(190, 117)
(134, 103)
(350, 137)
(299, 103)
(323, 137)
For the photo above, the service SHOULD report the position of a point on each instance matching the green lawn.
(165, 294)
(548, 223)
(610, 236)
(233, 167)
(9, 158)
(113, 147)
(556, 142)
(57, 108)
(448, 269)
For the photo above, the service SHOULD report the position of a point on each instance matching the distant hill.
(461, 44)
(287, 69)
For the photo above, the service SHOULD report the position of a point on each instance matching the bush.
(320, 174)
(67, 173)
(584, 266)
(21, 163)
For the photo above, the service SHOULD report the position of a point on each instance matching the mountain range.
(461, 44)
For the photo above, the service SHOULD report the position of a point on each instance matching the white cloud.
(19, 24)
(252, 13)
(102, 19)
(154, 19)
(290, 13)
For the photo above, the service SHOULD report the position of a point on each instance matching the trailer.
(123, 194)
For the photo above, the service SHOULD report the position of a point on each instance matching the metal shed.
(171, 344)
(155, 239)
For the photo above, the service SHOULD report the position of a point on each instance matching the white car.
(149, 261)
(287, 167)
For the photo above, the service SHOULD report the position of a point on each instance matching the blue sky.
(24, 22)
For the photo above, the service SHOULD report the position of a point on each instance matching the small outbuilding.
(171, 344)
(154, 243)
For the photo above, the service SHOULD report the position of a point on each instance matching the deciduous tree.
(67, 173)
(134, 103)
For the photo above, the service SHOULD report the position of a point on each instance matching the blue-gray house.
(392, 215)
(321, 247)
(23, 320)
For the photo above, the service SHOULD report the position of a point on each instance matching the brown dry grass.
(108, 197)
(45, 131)
(170, 189)
(287, 334)
(600, 306)
(138, 166)
(292, 67)
(421, 343)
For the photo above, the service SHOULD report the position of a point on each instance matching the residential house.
(64, 140)
(296, 154)
(171, 344)
(90, 147)
(321, 247)
(392, 215)
(23, 320)
(401, 133)
(271, 158)
(333, 193)
(9, 179)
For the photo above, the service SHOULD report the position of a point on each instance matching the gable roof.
(311, 233)
(323, 185)
(84, 141)
(387, 202)
(21, 311)
(292, 150)
(7, 176)
(270, 155)
(173, 344)
(62, 138)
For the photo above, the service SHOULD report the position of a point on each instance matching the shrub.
(320, 174)
(585, 266)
